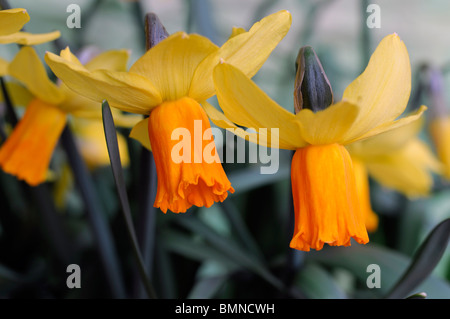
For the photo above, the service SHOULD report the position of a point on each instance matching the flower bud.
(312, 88)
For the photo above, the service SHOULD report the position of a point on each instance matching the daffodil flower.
(12, 21)
(28, 150)
(169, 83)
(323, 182)
(398, 160)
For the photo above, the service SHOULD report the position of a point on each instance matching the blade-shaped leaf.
(231, 250)
(317, 283)
(116, 165)
(357, 258)
(424, 261)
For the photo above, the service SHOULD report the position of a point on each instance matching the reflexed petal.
(386, 142)
(382, 90)
(236, 31)
(122, 119)
(113, 60)
(3, 67)
(90, 138)
(18, 94)
(28, 69)
(126, 91)
(170, 65)
(327, 126)
(407, 170)
(12, 20)
(25, 38)
(247, 105)
(219, 119)
(389, 126)
(246, 50)
(66, 54)
(140, 133)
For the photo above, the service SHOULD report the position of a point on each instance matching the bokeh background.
(238, 249)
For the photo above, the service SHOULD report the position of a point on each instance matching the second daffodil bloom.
(326, 204)
(398, 160)
(12, 21)
(27, 151)
(170, 83)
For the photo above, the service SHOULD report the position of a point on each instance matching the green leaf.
(316, 283)
(116, 165)
(193, 248)
(8, 275)
(419, 219)
(424, 261)
(230, 249)
(392, 264)
(248, 179)
(207, 287)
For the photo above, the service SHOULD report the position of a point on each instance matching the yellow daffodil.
(169, 83)
(27, 151)
(323, 182)
(397, 159)
(12, 21)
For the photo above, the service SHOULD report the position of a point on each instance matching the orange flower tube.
(325, 198)
(28, 150)
(186, 176)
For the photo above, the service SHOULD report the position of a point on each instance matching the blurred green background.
(238, 249)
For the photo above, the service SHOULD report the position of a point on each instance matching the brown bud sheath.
(154, 30)
(312, 89)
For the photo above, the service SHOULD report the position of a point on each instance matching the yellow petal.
(392, 125)
(26, 38)
(407, 170)
(125, 120)
(386, 142)
(66, 54)
(327, 126)
(90, 138)
(114, 60)
(236, 31)
(140, 133)
(170, 65)
(247, 105)
(28, 69)
(247, 51)
(12, 20)
(123, 90)
(219, 119)
(3, 67)
(18, 94)
(382, 90)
